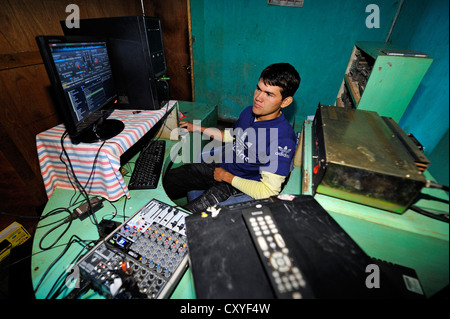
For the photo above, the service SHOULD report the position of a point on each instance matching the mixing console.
(144, 257)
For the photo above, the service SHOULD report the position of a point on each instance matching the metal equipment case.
(358, 157)
(382, 77)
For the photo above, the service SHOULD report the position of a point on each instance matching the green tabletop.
(407, 239)
(87, 231)
(54, 252)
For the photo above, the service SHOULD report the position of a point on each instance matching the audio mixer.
(144, 257)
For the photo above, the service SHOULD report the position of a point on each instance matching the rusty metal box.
(358, 157)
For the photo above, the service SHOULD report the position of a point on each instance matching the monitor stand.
(103, 130)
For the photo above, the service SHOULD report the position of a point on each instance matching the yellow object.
(12, 236)
(269, 185)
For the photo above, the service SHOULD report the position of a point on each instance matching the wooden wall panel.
(26, 106)
(29, 109)
(22, 20)
(175, 28)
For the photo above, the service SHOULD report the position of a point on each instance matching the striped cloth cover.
(104, 179)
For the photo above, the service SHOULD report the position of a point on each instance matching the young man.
(263, 144)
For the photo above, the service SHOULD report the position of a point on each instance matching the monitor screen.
(81, 76)
(137, 57)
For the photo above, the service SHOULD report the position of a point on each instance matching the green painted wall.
(424, 26)
(439, 161)
(234, 40)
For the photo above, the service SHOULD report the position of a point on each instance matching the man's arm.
(269, 185)
(210, 131)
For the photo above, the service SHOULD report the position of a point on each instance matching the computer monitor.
(137, 57)
(82, 80)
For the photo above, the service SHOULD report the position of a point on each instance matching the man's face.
(267, 101)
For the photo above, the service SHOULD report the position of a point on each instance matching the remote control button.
(279, 240)
(262, 243)
(296, 295)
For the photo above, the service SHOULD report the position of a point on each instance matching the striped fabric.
(104, 179)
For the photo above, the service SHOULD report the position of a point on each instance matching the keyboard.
(147, 168)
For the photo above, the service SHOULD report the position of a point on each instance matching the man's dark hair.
(283, 75)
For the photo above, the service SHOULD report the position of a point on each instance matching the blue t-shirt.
(259, 146)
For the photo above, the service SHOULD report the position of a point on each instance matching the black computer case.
(137, 57)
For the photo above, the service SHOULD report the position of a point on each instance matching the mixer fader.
(144, 257)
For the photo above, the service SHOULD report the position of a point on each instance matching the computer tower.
(137, 57)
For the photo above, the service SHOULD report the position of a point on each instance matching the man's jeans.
(199, 176)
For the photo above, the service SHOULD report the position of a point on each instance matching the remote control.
(285, 276)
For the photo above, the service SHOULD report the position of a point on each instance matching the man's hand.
(209, 131)
(221, 175)
(189, 126)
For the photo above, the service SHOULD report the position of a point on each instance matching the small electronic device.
(84, 210)
(143, 258)
(12, 236)
(80, 73)
(5, 248)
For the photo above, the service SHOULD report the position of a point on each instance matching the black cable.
(431, 184)
(19, 216)
(85, 285)
(69, 219)
(55, 212)
(53, 229)
(93, 166)
(63, 136)
(77, 182)
(123, 209)
(435, 215)
(63, 285)
(82, 191)
(71, 241)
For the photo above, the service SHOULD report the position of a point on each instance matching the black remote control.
(285, 276)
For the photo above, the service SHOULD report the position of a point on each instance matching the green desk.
(408, 239)
(86, 230)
